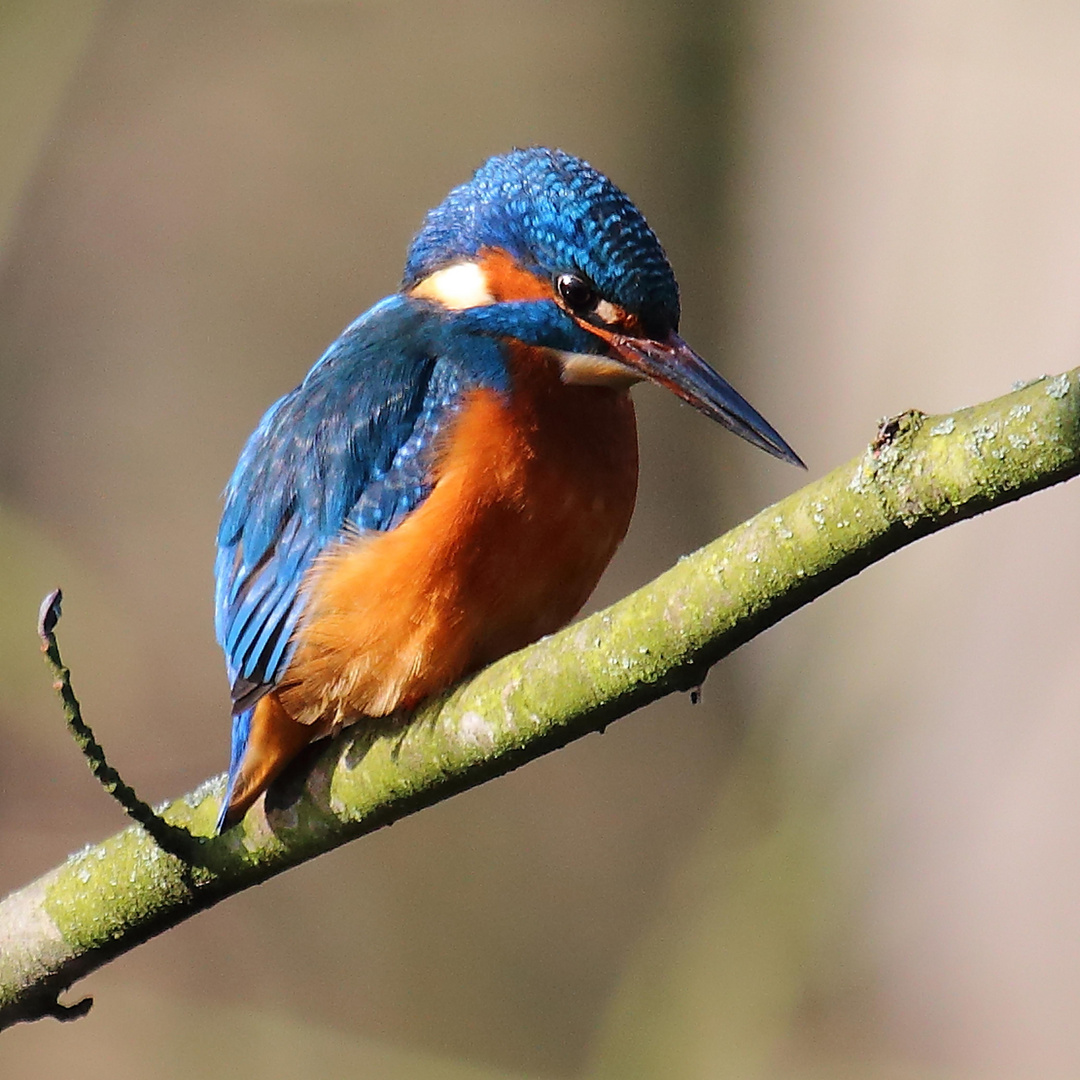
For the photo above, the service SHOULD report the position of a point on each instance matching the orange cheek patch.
(507, 280)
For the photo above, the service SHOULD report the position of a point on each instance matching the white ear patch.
(587, 369)
(463, 285)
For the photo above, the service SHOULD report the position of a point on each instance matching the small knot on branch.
(58, 1011)
(892, 428)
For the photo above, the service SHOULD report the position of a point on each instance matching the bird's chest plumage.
(533, 493)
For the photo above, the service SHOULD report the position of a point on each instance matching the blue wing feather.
(347, 449)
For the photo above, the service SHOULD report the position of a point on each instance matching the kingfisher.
(451, 478)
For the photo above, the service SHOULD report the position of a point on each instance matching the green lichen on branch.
(919, 475)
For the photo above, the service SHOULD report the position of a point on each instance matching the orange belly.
(533, 494)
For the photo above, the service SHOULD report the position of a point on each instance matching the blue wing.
(349, 448)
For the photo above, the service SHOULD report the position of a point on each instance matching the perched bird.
(452, 477)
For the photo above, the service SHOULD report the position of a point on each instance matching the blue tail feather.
(241, 731)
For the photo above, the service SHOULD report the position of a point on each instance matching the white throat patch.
(588, 369)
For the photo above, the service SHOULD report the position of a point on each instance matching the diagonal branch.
(919, 475)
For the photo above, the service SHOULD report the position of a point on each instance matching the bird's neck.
(585, 434)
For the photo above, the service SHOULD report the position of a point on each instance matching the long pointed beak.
(672, 363)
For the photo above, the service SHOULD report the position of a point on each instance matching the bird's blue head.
(541, 247)
(553, 214)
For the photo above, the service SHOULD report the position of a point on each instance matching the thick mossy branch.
(919, 475)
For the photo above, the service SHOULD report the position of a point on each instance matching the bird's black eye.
(576, 293)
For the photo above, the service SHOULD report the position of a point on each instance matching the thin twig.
(174, 839)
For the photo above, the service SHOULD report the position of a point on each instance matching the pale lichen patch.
(945, 427)
(1023, 384)
(1058, 386)
(30, 940)
(475, 731)
(214, 787)
(981, 435)
(506, 699)
(865, 471)
(782, 530)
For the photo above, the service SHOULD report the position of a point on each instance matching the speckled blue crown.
(555, 213)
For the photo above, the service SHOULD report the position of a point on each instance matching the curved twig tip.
(173, 839)
(49, 614)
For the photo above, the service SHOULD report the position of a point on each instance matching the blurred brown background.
(860, 857)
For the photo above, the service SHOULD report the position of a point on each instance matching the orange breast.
(534, 491)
